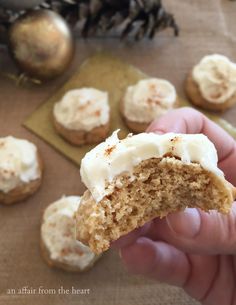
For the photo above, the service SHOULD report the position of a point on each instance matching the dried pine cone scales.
(137, 18)
(134, 18)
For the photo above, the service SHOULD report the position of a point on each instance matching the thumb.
(195, 231)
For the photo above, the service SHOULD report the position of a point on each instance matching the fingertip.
(153, 127)
(197, 232)
(185, 224)
(175, 121)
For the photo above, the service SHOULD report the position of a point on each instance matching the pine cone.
(136, 18)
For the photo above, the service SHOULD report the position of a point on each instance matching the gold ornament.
(41, 44)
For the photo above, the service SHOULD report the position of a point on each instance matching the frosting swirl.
(82, 109)
(148, 99)
(216, 77)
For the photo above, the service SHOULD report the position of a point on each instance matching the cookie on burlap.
(59, 246)
(20, 170)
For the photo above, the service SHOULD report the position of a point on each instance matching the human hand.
(191, 249)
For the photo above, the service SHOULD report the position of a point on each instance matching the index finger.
(190, 121)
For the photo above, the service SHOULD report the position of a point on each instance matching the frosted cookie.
(146, 101)
(20, 170)
(212, 83)
(134, 180)
(58, 244)
(82, 116)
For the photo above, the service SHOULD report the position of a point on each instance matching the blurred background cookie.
(211, 84)
(20, 169)
(146, 101)
(58, 244)
(83, 116)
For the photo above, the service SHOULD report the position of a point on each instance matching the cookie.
(82, 116)
(211, 85)
(146, 101)
(137, 179)
(20, 170)
(59, 247)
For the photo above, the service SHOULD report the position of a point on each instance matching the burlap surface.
(206, 27)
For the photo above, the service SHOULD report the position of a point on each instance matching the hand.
(191, 249)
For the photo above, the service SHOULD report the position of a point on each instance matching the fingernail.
(186, 223)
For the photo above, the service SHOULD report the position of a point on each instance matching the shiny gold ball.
(41, 44)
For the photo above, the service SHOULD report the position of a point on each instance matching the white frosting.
(216, 78)
(83, 109)
(58, 234)
(18, 163)
(149, 99)
(113, 157)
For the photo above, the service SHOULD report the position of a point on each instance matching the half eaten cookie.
(134, 180)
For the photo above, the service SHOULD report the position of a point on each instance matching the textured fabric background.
(206, 27)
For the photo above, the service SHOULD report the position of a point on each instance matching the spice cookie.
(146, 101)
(211, 84)
(20, 170)
(58, 244)
(141, 177)
(83, 116)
